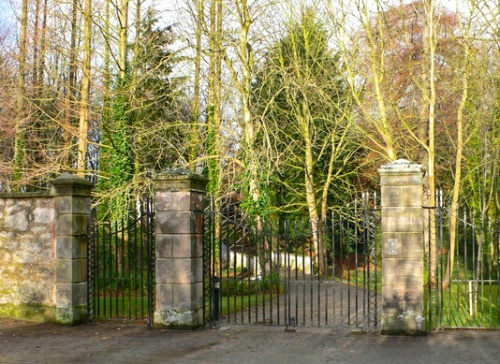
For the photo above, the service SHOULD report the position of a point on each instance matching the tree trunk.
(43, 49)
(134, 84)
(431, 51)
(458, 174)
(214, 145)
(70, 98)
(36, 50)
(85, 92)
(194, 150)
(106, 113)
(19, 161)
(312, 205)
(123, 39)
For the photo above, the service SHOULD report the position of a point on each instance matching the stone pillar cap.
(70, 185)
(180, 179)
(401, 165)
(71, 179)
(180, 172)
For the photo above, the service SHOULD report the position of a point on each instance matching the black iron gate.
(268, 272)
(121, 267)
(463, 283)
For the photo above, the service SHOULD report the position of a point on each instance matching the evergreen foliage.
(302, 98)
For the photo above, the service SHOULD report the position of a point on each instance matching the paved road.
(309, 302)
(24, 342)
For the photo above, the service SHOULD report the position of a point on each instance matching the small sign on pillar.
(393, 247)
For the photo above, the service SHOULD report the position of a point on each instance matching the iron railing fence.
(465, 292)
(121, 267)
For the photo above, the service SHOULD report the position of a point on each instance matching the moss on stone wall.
(37, 313)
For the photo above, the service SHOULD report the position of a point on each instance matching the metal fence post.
(216, 281)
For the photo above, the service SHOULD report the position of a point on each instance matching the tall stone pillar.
(402, 249)
(73, 205)
(179, 205)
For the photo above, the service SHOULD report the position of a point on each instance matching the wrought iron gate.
(268, 272)
(121, 267)
(463, 292)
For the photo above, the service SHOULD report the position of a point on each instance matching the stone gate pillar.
(402, 249)
(179, 205)
(73, 205)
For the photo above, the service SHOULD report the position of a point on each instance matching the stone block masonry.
(43, 252)
(179, 206)
(402, 249)
(27, 254)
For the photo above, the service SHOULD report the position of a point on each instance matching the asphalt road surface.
(27, 342)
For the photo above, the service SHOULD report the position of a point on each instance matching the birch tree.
(214, 146)
(306, 109)
(197, 13)
(401, 105)
(85, 92)
(480, 182)
(19, 160)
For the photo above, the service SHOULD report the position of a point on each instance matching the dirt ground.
(27, 342)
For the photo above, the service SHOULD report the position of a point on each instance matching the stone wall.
(27, 254)
(43, 252)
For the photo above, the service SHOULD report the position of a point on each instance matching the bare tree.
(19, 161)
(306, 109)
(85, 92)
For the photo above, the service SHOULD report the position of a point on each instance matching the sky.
(6, 15)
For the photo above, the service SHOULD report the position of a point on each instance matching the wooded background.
(286, 106)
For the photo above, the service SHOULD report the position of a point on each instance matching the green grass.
(462, 309)
(232, 286)
(240, 293)
(232, 304)
(117, 307)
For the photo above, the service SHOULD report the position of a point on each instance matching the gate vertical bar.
(439, 213)
(334, 266)
(93, 266)
(150, 218)
(497, 257)
(376, 252)
(132, 280)
(208, 266)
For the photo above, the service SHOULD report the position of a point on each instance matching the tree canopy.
(287, 107)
